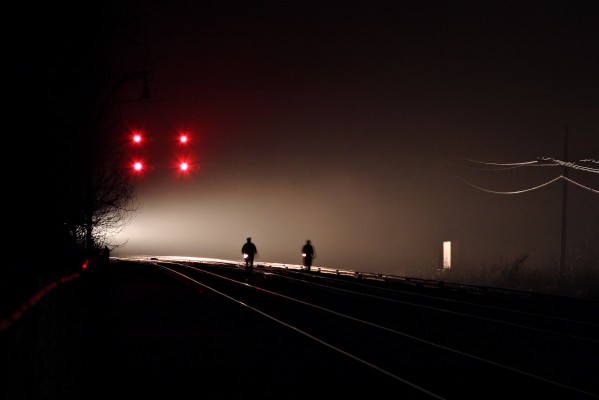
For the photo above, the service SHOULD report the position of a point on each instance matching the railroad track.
(433, 343)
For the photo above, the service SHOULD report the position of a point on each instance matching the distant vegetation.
(581, 280)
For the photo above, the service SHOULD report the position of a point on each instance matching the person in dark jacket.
(249, 251)
(308, 254)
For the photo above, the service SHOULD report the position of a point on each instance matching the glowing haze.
(350, 126)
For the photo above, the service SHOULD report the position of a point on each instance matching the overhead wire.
(580, 185)
(507, 166)
(554, 163)
(571, 164)
(533, 188)
(512, 192)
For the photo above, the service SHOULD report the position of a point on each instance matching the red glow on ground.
(18, 313)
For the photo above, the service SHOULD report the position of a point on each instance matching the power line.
(540, 162)
(553, 163)
(572, 165)
(548, 161)
(519, 164)
(533, 188)
(580, 185)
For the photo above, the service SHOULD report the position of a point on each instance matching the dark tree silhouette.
(69, 190)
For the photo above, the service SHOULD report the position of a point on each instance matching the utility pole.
(562, 260)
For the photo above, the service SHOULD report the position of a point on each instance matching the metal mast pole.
(562, 261)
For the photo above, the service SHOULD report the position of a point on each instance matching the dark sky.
(348, 123)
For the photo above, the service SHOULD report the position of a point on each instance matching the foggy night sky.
(348, 123)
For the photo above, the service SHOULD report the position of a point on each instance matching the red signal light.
(183, 138)
(138, 149)
(137, 137)
(138, 166)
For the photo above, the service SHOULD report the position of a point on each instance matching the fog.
(353, 129)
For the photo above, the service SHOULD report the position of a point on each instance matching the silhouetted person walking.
(308, 254)
(249, 251)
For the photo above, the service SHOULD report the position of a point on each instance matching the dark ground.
(128, 330)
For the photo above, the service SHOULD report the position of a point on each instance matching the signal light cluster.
(183, 164)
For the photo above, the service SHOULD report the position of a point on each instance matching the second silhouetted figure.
(249, 251)
(308, 254)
